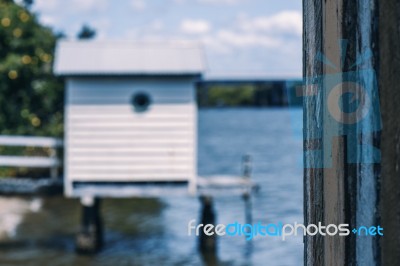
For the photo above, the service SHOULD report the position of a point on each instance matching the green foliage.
(228, 95)
(31, 98)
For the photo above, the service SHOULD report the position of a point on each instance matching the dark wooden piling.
(90, 238)
(207, 244)
(247, 168)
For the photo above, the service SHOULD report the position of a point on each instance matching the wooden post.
(207, 244)
(247, 168)
(361, 185)
(341, 175)
(90, 238)
(389, 83)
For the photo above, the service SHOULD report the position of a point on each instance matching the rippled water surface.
(154, 231)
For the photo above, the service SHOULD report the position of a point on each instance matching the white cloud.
(210, 2)
(157, 25)
(228, 2)
(225, 41)
(88, 5)
(190, 26)
(138, 5)
(246, 39)
(150, 31)
(279, 33)
(286, 22)
(267, 32)
(75, 5)
(48, 20)
(46, 5)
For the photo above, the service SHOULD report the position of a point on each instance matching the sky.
(240, 37)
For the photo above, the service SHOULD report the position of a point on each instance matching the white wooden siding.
(106, 140)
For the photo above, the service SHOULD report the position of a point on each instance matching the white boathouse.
(130, 115)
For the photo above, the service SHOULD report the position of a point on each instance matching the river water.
(154, 231)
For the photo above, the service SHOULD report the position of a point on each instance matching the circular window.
(141, 101)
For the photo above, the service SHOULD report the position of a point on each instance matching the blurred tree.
(86, 32)
(230, 95)
(31, 98)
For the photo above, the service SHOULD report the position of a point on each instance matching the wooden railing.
(52, 161)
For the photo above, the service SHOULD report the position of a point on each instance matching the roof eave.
(129, 75)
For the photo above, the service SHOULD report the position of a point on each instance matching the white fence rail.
(52, 162)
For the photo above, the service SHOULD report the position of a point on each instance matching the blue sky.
(240, 37)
